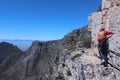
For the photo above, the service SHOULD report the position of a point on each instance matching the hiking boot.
(102, 62)
(105, 64)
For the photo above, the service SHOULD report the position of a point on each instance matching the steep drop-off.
(72, 58)
(43, 59)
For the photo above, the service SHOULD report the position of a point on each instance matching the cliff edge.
(74, 57)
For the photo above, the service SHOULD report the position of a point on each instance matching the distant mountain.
(21, 44)
(74, 57)
(9, 54)
(44, 60)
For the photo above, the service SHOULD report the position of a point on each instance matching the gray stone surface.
(111, 21)
(65, 60)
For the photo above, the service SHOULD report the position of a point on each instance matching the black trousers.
(103, 49)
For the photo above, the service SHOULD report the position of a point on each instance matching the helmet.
(102, 29)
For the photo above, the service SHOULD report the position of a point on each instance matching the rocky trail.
(67, 58)
(94, 70)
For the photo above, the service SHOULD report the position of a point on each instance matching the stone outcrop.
(117, 2)
(68, 58)
(42, 61)
(9, 54)
(109, 18)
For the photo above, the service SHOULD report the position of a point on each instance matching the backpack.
(102, 36)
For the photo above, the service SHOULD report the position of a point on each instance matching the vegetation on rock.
(99, 8)
(76, 56)
(86, 42)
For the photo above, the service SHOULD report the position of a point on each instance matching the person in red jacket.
(103, 44)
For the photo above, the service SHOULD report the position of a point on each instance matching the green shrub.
(99, 8)
(75, 56)
(86, 42)
(78, 32)
(72, 47)
(60, 78)
(56, 60)
(69, 73)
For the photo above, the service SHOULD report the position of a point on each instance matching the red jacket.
(103, 35)
(108, 32)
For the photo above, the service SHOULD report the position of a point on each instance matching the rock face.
(6, 50)
(9, 54)
(109, 18)
(71, 58)
(43, 63)
(44, 60)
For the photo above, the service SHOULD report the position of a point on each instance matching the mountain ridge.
(21, 44)
(72, 57)
(39, 51)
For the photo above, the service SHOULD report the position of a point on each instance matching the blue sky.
(43, 19)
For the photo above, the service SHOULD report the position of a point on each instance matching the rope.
(113, 66)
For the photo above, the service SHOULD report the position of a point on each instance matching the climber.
(103, 44)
